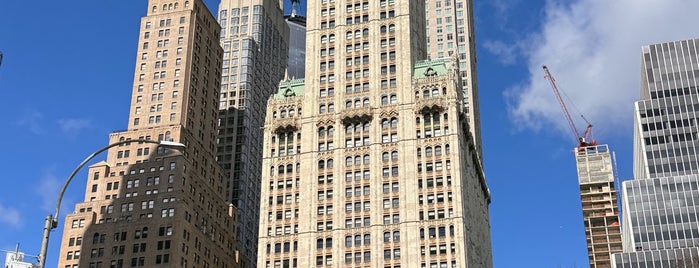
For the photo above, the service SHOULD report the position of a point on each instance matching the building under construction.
(599, 203)
(597, 190)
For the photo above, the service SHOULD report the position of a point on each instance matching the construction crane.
(584, 140)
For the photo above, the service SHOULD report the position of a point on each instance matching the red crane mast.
(581, 140)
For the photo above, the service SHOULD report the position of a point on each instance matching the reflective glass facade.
(660, 226)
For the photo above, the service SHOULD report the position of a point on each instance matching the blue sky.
(68, 68)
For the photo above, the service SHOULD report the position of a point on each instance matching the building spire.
(294, 6)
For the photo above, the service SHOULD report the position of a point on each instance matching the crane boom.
(581, 140)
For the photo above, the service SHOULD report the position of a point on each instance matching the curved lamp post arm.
(52, 220)
(75, 171)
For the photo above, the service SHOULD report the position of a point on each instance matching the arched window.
(96, 236)
(383, 28)
(349, 35)
(367, 159)
(177, 5)
(392, 28)
(329, 163)
(394, 99)
(283, 113)
(357, 160)
(384, 100)
(428, 151)
(155, 9)
(331, 131)
(438, 150)
(384, 157)
(186, 3)
(365, 103)
(280, 169)
(348, 161)
(446, 148)
(331, 38)
(321, 164)
(384, 123)
(289, 168)
(425, 93)
(321, 132)
(357, 103)
(367, 239)
(394, 155)
(365, 32)
(394, 122)
(323, 39)
(348, 104)
(435, 92)
(144, 233)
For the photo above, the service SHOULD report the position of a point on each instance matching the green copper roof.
(290, 88)
(436, 67)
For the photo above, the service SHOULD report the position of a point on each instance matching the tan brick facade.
(148, 206)
(369, 161)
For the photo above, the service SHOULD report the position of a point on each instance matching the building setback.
(255, 40)
(451, 32)
(369, 161)
(145, 205)
(599, 203)
(660, 225)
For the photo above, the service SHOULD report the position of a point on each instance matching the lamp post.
(52, 219)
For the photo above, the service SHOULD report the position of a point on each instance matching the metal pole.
(52, 220)
(45, 240)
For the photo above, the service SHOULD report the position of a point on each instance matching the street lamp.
(52, 219)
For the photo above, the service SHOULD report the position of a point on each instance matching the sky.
(67, 74)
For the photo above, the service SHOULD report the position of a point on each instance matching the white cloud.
(506, 53)
(30, 119)
(10, 216)
(593, 50)
(72, 126)
(47, 189)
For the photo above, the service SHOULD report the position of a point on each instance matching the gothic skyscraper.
(370, 161)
